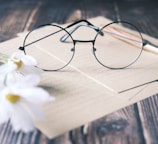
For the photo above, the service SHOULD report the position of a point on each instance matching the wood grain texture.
(13, 16)
(136, 124)
(144, 16)
(148, 111)
(142, 13)
(120, 127)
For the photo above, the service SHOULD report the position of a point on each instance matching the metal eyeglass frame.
(78, 24)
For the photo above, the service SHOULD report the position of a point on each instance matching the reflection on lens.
(45, 46)
(118, 48)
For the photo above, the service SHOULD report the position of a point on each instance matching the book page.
(85, 90)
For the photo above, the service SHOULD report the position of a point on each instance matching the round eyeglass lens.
(45, 46)
(120, 45)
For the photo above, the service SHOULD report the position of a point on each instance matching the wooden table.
(135, 124)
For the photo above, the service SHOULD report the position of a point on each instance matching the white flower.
(21, 102)
(20, 62)
(21, 99)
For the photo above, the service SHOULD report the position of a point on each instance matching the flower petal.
(5, 107)
(4, 116)
(35, 111)
(28, 69)
(18, 54)
(11, 79)
(36, 95)
(20, 119)
(7, 68)
(29, 60)
(26, 59)
(27, 81)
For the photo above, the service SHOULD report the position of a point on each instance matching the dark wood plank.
(13, 16)
(31, 15)
(143, 15)
(57, 12)
(126, 121)
(119, 127)
(104, 8)
(148, 111)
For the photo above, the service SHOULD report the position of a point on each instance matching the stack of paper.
(86, 91)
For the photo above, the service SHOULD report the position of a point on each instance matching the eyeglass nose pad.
(94, 49)
(72, 49)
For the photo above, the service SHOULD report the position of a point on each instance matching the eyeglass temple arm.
(125, 37)
(79, 24)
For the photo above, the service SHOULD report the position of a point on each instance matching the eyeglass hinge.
(21, 48)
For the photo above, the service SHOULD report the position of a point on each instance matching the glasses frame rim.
(116, 22)
(90, 25)
(62, 29)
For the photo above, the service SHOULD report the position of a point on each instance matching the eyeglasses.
(112, 47)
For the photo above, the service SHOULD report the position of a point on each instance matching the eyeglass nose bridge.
(84, 41)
